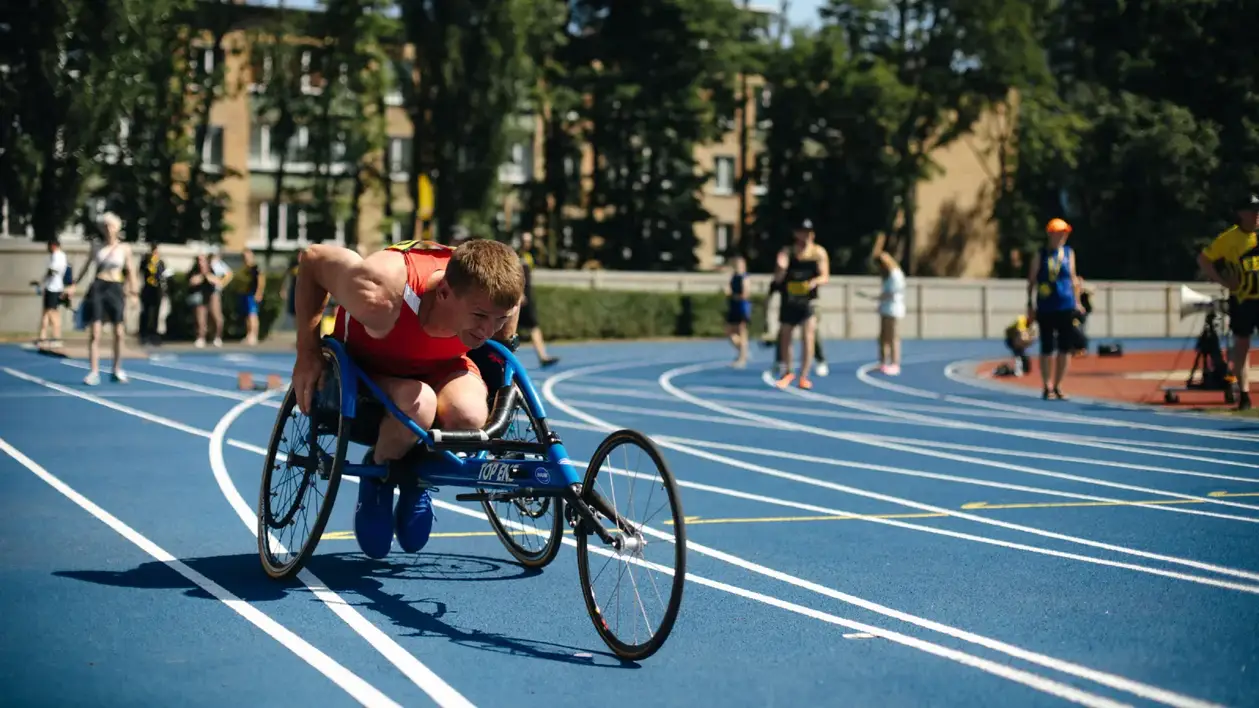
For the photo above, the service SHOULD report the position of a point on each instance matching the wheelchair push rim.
(305, 454)
(639, 549)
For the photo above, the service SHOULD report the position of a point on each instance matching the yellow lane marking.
(969, 506)
(691, 520)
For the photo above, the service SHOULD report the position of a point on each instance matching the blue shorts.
(738, 311)
(248, 305)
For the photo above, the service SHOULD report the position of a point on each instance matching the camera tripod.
(1209, 359)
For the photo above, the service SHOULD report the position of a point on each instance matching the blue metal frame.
(550, 477)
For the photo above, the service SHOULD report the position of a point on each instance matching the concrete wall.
(938, 308)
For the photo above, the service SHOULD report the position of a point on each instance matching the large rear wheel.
(300, 477)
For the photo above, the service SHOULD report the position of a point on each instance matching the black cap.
(1250, 202)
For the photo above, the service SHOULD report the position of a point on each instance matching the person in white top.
(115, 282)
(891, 312)
(209, 276)
(53, 286)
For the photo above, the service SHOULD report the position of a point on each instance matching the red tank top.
(407, 351)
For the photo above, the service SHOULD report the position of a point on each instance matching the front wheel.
(646, 559)
(300, 477)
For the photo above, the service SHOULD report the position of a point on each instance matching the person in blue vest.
(1053, 301)
(738, 310)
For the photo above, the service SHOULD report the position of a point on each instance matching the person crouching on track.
(408, 316)
(1052, 276)
(1018, 339)
(801, 268)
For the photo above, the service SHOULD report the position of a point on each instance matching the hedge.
(563, 313)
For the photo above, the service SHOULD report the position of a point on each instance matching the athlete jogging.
(408, 316)
(801, 268)
(1232, 260)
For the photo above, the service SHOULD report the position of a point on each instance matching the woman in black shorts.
(115, 281)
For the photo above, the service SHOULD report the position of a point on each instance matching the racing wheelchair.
(528, 476)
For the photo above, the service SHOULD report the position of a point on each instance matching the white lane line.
(1026, 678)
(830, 511)
(422, 677)
(351, 683)
(665, 382)
(812, 459)
(863, 375)
(185, 385)
(1040, 436)
(682, 415)
(772, 472)
(1118, 682)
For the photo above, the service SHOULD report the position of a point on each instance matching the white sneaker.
(821, 369)
(218, 342)
(92, 379)
(200, 343)
(120, 376)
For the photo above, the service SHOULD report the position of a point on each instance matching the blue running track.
(927, 539)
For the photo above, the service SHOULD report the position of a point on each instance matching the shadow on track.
(350, 575)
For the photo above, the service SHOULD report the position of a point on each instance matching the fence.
(937, 308)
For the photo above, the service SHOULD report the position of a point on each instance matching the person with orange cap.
(1052, 280)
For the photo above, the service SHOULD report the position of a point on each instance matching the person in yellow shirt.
(1018, 337)
(1232, 260)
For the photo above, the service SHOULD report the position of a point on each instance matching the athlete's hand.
(1230, 281)
(307, 376)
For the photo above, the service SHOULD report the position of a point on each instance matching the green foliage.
(572, 313)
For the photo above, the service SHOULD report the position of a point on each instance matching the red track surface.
(1135, 377)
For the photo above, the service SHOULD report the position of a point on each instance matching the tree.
(69, 70)
(938, 64)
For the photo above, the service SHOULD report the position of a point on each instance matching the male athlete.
(408, 316)
(801, 268)
(1232, 260)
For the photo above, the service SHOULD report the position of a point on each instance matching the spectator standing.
(54, 288)
(155, 275)
(738, 310)
(1052, 282)
(528, 309)
(891, 312)
(114, 282)
(1232, 260)
(251, 299)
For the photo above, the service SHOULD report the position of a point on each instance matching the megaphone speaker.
(1192, 301)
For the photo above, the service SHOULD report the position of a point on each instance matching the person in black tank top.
(738, 310)
(801, 269)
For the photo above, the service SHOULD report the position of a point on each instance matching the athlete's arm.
(1075, 284)
(780, 266)
(1033, 270)
(823, 267)
(370, 289)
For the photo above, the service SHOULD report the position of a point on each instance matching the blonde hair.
(487, 266)
(110, 219)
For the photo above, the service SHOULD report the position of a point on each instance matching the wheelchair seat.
(369, 412)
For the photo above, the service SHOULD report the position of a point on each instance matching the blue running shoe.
(413, 518)
(371, 515)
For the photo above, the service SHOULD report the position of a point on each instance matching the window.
(724, 175)
(519, 165)
(295, 226)
(723, 235)
(312, 72)
(399, 157)
(212, 148)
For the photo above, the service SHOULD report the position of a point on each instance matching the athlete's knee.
(416, 399)
(462, 404)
